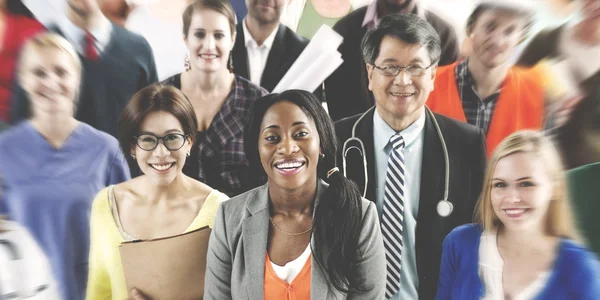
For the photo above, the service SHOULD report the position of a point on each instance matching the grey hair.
(408, 28)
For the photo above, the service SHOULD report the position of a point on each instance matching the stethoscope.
(444, 207)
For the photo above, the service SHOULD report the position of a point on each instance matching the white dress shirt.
(257, 55)
(413, 156)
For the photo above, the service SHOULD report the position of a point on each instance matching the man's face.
(494, 36)
(265, 11)
(115, 10)
(80, 11)
(403, 96)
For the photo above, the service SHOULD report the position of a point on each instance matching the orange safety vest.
(276, 288)
(520, 104)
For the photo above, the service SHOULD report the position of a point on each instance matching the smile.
(402, 95)
(289, 168)
(208, 56)
(515, 212)
(162, 167)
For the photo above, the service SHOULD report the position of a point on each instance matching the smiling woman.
(264, 233)
(158, 130)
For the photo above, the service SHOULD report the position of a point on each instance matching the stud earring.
(322, 155)
(133, 156)
(188, 154)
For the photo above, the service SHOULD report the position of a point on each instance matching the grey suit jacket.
(238, 244)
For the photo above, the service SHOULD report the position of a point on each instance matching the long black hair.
(337, 218)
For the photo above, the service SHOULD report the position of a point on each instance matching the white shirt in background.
(257, 55)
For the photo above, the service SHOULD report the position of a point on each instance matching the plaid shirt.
(218, 157)
(478, 112)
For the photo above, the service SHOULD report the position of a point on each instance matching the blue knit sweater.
(575, 275)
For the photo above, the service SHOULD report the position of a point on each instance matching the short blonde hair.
(559, 220)
(48, 40)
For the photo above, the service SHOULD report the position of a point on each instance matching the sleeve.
(450, 48)
(448, 268)
(119, 170)
(98, 286)
(371, 265)
(217, 280)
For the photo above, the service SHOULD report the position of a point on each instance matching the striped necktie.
(392, 219)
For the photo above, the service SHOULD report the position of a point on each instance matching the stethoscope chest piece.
(444, 208)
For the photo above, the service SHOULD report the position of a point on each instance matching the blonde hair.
(559, 220)
(48, 40)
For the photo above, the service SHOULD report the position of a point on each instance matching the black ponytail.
(337, 218)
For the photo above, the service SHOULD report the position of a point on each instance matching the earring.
(322, 155)
(188, 154)
(133, 156)
(187, 63)
(230, 63)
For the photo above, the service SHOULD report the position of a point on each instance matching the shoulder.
(235, 207)
(461, 131)
(581, 264)
(100, 203)
(343, 127)
(464, 235)
(294, 39)
(16, 132)
(99, 138)
(131, 39)
(174, 81)
(351, 22)
(248, 90)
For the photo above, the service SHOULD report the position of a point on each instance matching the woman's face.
(289, 146)
(209, 41)
(51, 79)
(163, 161)
(521, 192)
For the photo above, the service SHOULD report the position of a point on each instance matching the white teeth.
(514, 211)
(402, 94)
(289, 165)
(161, 167)
(208, 55)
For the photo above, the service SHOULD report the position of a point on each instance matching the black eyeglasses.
(172, 141)
(393, 70)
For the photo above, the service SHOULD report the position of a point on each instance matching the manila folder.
(167, 268)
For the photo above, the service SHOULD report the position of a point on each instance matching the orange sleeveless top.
(520, 105)
(276, 288)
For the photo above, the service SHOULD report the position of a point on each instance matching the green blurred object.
(584, 190)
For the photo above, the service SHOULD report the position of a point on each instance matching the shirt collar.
(383, 130)
(371, 18)
(249, 40)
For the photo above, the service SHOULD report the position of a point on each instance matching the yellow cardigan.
(106, 278)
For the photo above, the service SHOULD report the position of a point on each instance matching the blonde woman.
(522, 245)
(52, 165)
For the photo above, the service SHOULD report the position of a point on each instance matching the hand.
(137, 295)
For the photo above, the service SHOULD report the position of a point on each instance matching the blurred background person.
(52, 165)
(346, 90)
(306, 16)
(484, 89)
(522, 246)
(116, 64)
(264, 48)
(24, 269)
(220, 98)
(295, 237)
(576, 44)
(158, 129)
(159, 21)
(16, 26)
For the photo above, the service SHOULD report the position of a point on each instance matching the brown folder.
(167, 268)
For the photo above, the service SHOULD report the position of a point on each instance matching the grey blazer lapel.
(254, 237)
(319, 289)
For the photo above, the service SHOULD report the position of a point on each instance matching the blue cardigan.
(575, 275)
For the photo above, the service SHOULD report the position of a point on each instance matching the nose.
(512, 195)
(288, 146)
(208, 42)
(403, 78)
(161, 150)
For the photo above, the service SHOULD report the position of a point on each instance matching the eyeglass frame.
(159, 139)
(406, 69)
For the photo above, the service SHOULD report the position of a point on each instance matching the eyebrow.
(392, 60)
(277, 126)
(520, 179)
(166, 132)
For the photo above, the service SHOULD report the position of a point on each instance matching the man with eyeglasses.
(485, 90)
(402, 151)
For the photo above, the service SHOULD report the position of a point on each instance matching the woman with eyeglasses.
(52, 165)
(221, 99)
(522, 246)
(158, 130)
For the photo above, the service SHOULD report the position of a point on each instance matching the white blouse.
(490, 272)
(292, 268)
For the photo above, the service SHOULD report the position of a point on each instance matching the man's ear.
(370, 75)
